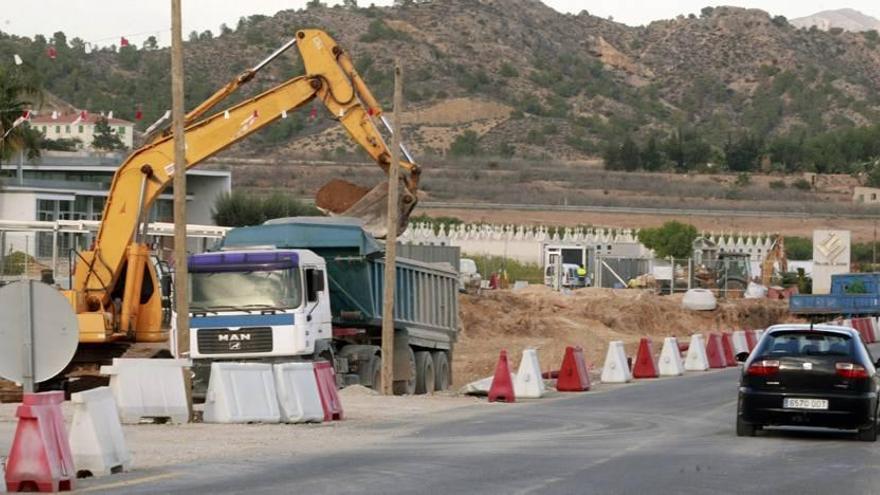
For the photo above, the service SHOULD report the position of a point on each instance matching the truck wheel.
(425, 376)
(407, 387)
(441, 371)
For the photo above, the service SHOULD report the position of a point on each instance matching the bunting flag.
(123, 42)
(25, 116)
(52, 52)
(54, 114)
(226, 114)
(110, 115)
(284, 114)
(17, 59)
(138, 114)
(313, 114)
(83, 115)
(155, 125)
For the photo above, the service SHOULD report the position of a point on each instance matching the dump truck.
(852, 294)
(304, 289)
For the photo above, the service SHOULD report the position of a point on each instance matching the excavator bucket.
(342, 198)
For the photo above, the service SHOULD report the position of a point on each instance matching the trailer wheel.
(441, 371)
(407, 387)
(425, 375)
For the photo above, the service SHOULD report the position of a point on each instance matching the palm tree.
(19, 91)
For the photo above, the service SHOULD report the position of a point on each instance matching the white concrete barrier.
(758, 335)
(616, 369)
(696, 359)
(670, 358)
(96, 440)
(241, 393)
(740, 344)
(528, 382)
(298, 393)
(149, 389)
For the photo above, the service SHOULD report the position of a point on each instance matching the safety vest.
(582, 271)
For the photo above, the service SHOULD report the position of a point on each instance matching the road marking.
(123, 484)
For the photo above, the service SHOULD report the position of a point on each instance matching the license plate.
(792, 403)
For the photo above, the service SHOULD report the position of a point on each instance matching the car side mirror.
(877, 364)
(742, 357)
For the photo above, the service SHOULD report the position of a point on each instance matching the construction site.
(183, 310)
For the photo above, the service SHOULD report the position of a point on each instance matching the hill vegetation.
(726, 87)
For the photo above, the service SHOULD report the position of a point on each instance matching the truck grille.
(226, 341)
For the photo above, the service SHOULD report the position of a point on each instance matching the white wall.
(204, 191)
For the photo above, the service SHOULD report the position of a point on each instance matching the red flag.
(83, 115)
(313, 114)
(52, 52)
(123, 42)
(138, 114)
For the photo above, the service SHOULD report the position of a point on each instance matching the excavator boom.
(115, 286)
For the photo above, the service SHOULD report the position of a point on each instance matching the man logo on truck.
(227, 337)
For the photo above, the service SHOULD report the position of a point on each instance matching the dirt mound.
(549, 321)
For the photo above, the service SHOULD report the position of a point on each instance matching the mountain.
(507, 77)
(846, 19)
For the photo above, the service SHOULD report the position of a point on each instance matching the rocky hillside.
(846, 19)
(524, 79)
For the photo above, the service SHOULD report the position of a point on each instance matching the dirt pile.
(549, 321)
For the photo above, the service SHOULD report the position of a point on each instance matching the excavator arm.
(114, 283)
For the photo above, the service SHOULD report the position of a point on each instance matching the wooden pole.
(180, 268)
(391, 241)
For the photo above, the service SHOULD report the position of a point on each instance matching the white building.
(74, 186)
(74, 126)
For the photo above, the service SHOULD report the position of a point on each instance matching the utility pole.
(181, 293)
(391, 240)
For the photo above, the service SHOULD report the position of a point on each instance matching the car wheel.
(744, 429)
(869, 434)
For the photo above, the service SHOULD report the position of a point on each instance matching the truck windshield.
(278, 289)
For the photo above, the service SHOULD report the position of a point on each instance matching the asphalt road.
(663, 436)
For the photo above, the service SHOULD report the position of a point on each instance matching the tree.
(630, 155)
(151, 43)
(465, 144)
(673, 239)
(652, 158)
(105, 137)
(743, 154)
(240, 209)
(20, 90)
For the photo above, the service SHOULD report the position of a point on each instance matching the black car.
(805, 375)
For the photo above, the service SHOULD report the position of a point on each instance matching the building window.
(57, 129)
(873, 196)
(80, 129)
(122, 130)
(67, 129)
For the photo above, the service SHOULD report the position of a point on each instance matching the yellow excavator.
(115, 290)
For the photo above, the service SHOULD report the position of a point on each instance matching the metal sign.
(38, 331)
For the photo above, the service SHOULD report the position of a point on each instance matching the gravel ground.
(368, 418)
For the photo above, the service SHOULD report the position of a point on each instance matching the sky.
(103, 22)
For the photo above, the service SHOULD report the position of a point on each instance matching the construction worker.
(582, 275)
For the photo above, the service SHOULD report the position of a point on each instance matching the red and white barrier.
(670, 358)
(325, 375)
(616, 369)
(573, 375)
(502, 383)
(740, 344)
(96, 440)
(696, 359)
(298, 394)
(528, 382)
(241, 393)
(644, 365)
(40, 458)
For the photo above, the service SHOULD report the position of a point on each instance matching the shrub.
(240, 209)
(777, 184)
(802, 184)
(486, 265)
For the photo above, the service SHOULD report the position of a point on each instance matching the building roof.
(70, 118)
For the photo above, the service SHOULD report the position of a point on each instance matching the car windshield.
(280, 289)
(805, 343)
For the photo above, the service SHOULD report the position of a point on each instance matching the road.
(668, 436)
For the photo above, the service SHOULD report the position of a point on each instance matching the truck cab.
(257, 304)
